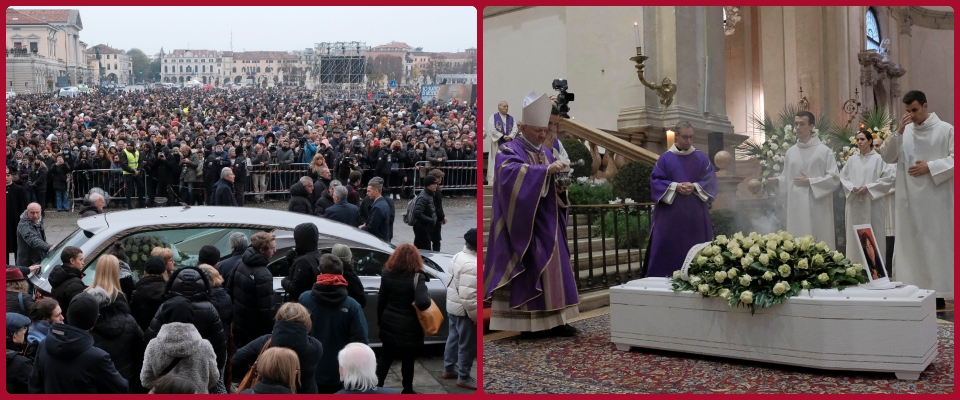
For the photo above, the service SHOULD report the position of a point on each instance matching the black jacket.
(239, 169)
(226, 267)
(251, 287)
(354, 284)
(117, 333)
(191, 283)
(266, 386)
(147, 298)
(378, 219)
(88, 209)
(291, 335)
(18, 369)
(58, 175)
(223, 194)
(13, 303)
(343, 212)
(306, 267)
(66, 283)
(398, 321)
(324, 202)
(300, 200)
(424, 211)
(68, 362)
(224, 305)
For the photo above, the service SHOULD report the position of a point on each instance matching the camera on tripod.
(564, 98)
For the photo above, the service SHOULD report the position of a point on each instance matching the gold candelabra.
(665, 90)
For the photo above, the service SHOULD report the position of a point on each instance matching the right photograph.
(718, 199)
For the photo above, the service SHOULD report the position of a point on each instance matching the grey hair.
(304, 180)
(359, 366)
(95, 196)
(341, 192)
(101, 295)
(323, 168)
(334, 183)
(238, 240)
(682, 124)
(225, 171)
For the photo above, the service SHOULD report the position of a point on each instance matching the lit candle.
(669, 139)
(636, 34)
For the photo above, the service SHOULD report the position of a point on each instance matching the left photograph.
(229, 206)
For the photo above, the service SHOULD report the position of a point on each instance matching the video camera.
(564, 98)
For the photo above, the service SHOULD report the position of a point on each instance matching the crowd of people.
(201, 329)
(172, 144)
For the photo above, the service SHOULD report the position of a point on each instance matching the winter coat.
(14, 300)
(16, 205)
(179, 340)
(18, 369)
(322, 204)
(223, 194)
(66, 283)
(424, 211)
(59, 174)
(284, 157)
(291, 335)
(306, 267)
(338, 320)
(192, 284)
(257, 159)
(378, 220)
(343, 212)
(266, 386)
(239, 169)
(188, 170)
(354, 285)
(436, 153)
(226, 267)
(251, 287)
(38, 177)
(300, 200)
(117, 333)
(462, 289)
(32, 243)
(147, 299)
(399, 325)
(88, 209)
(68, 362)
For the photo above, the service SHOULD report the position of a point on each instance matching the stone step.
(611, 274)
(488, 190)
(487, 200)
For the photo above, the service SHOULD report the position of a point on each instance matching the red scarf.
(331, 279)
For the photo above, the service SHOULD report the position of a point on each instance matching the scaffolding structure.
(340, 68)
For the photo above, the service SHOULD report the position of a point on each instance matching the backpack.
(408, 217)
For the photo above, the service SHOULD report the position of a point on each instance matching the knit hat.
(343, 253)
(83, 312)
(177, 309)
(14, 274)
(471, 237)
(15, 322)
(155, 266)
(429, 180)
(208, 255)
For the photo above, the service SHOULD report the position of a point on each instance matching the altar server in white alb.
(809, 178)
(866, 181)
(922, 148)
(500, 128)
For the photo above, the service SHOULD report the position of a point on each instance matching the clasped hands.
(801, 180)
(685, 188)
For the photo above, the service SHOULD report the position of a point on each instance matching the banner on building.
(428, 92)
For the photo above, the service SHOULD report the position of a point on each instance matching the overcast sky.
(439, 29)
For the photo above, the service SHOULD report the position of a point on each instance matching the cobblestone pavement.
(461, 216)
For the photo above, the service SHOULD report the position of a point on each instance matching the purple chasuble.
(527, 252)
(679, 226)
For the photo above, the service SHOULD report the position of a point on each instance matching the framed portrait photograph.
(870, 253)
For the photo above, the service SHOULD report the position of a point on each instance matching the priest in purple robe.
(527, 271)
(683, 184)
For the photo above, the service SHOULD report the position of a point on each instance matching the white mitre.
(536, 110)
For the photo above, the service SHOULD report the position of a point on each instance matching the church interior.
(637, 71)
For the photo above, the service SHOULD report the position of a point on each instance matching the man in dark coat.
(300, 194)
(325, 199)
(93, 205)
(32, 243)
(65, 279)
(378, 217)
(425, 215)
(117, 333)
(337, 320)
(306, 266)
(251, 287)
(438, 207)
(68, 362)
(341, 210)
(239, 159)
(238, 244)
(16, 205)
(223, 190)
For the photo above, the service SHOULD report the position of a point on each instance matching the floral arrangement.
(585, 191)
(778, 137)
(761, 271)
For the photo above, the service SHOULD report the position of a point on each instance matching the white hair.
(226, 171)
(306, 180)
(239, 241)
(341, 192)
(95, 196)
(359, 366)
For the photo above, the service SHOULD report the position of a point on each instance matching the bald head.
(33, 212)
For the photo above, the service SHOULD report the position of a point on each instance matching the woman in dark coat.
(400, 329)
(292, 331)
(58, 175)
(148, 294)
(117, 333)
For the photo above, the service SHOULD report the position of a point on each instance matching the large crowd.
(202, 329)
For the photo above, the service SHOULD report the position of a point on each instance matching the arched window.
(204, 68)
(165, 69)
(873, 30)
(189, 70)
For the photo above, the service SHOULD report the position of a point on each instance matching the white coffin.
(855, 329)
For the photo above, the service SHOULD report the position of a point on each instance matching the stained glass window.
(873, 30)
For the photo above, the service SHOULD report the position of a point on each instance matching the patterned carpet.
(590, 363)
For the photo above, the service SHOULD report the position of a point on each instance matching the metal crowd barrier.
(459, 175)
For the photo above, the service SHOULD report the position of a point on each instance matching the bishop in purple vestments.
(683, 184)
(527, 271)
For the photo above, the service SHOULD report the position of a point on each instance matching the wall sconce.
(666, 89)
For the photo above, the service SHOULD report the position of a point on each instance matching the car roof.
(119, 221)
